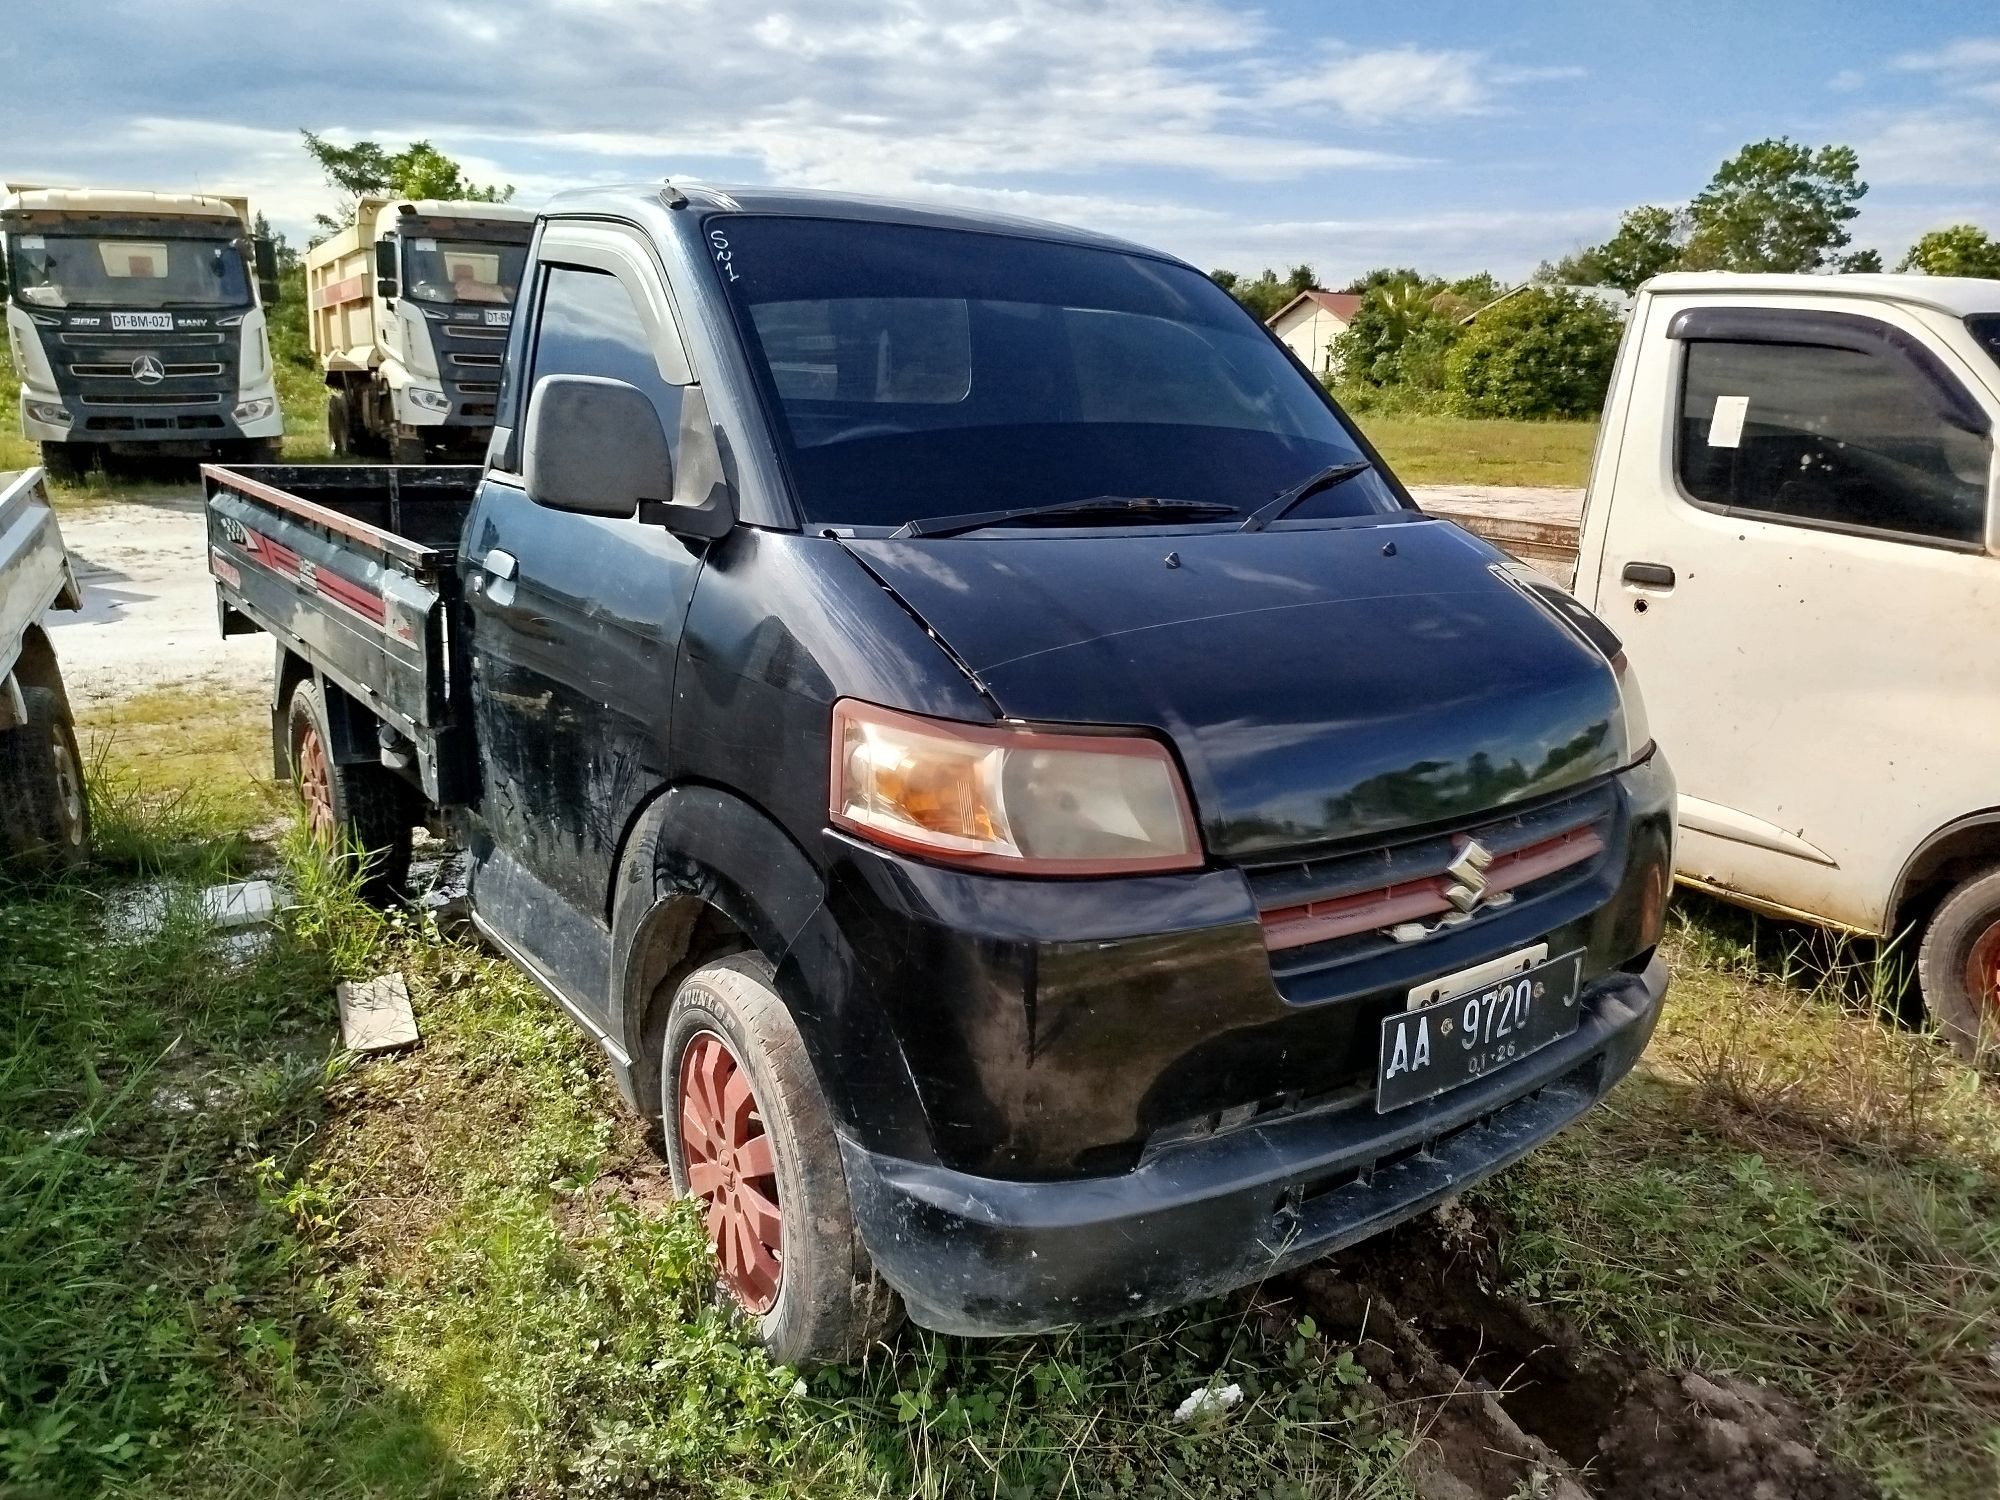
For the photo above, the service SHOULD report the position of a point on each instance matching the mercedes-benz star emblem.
(148, 371)
(1465, 877)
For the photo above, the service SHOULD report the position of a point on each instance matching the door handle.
(1648, 575)
(503, 565)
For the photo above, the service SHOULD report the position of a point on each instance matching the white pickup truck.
(44, 814)
(1793, 521)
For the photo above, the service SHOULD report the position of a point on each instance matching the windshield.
(60, 270)
(917, 373)
(471, 272)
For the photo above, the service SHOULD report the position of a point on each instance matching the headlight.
(254, 411)
(1638, 727)
(42, 411)
(429, 400)
(1007, 799)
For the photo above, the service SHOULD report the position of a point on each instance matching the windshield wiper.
(1123, 507)
(1325, 479)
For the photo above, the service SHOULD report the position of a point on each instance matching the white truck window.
(1827, 436)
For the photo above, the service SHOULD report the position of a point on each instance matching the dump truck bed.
(354, 569)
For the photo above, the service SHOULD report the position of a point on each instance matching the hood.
(1319, 683)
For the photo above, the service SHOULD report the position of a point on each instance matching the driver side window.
(1816, 435)
(590, 325)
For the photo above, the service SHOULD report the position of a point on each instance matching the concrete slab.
(375, 1014)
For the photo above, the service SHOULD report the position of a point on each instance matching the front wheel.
(749, 1136)
(1958, 968)
(69, 462)
(352, 803)
(340, 425)
(44, 809)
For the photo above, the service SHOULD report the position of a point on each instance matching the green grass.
(1794, 1191)
(1462, 450)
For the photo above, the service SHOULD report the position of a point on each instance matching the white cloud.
(1968, 54)
(1931, 147)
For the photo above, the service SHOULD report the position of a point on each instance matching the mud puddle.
(1507, 1400)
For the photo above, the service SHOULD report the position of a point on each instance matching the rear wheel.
(748, 1134)
(68, 462)
(360, 804)
(44, 808)
(1958, 968)
(340, 425)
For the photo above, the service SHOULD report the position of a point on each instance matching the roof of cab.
(809, 203)
(458, 208)
(1960, 296)
(119, 202)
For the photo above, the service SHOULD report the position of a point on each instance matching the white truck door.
(1796, 550)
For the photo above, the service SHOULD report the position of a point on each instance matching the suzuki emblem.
(148, 371)
(1465, 877)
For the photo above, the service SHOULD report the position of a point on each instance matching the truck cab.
(1793, 523)
(136, 322)
(994, 758)
(409, 314)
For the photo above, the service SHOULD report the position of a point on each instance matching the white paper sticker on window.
(1725, 428)
(33, 242)
(424, 244)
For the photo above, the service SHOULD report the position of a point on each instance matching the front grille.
(477, 361)
(151, 398)
(1330, 910)
(473, 331)
(124, 371)
(153, 341)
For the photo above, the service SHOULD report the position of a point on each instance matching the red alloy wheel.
(726, 1153)
(316, 786)
(1982, 977)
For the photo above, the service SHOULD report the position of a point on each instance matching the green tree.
(1540, 353)
(1961, 250)
(1266, 293)
(367, 169)
(1402, 331)
(1648, 242)
(1775, 206)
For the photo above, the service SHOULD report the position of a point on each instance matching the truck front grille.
(137, 340)
(151, 398)
(474, 331)
(1343, 907)
(124, 371)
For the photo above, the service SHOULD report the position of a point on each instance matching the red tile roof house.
(1309, 324)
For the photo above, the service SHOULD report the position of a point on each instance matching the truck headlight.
(44, 411)
(1010, 799)
(255, 411)
(429, 400)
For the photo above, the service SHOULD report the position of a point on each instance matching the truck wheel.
(1958, 968)
(749, 1135)
(68, 462)
(361, 804)
(339, 425)
(44, 809)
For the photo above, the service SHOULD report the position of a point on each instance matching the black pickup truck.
(988, 750)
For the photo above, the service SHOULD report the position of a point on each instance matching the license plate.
(499, 317)
(1499, 1020)
(143, 322)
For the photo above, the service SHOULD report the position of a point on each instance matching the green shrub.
(1539, 353)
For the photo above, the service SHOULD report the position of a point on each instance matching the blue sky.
(1452, 136)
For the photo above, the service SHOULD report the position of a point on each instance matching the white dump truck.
(137, 325)
(409, 313)
(1794, 523)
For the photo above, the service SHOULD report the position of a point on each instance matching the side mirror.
(268, 285)
(384, 287)
(594, 446)
(385, 260)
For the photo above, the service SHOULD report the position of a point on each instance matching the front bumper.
(978, 1255)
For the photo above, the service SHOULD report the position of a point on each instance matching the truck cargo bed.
(353, 569)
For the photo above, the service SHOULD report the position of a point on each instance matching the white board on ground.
(375, 1014)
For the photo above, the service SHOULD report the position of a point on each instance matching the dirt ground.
(149, 606)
